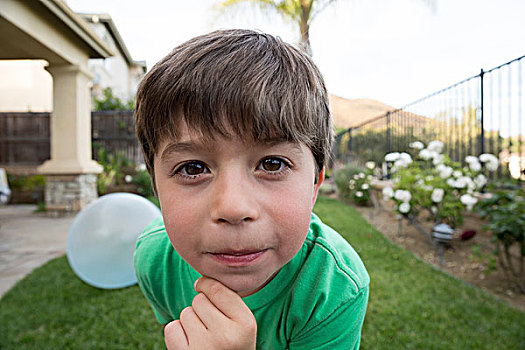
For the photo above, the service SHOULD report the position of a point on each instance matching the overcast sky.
(393, 51)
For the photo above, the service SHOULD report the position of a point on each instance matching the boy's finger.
(174, 336)
(192, 325)
(207, 311)
(224, 299)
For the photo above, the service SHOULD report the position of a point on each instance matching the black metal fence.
(481, 114)
(25, 137)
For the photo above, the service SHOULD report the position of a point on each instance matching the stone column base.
(69, 193)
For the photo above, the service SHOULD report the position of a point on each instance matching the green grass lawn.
(412, 305)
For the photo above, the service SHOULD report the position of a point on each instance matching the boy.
(235, 129)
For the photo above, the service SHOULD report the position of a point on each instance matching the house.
(27, 87)
(120, 72)
(49, 31)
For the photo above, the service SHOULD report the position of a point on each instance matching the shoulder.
(152, 245)
(331, 289)
(154, 256)
(331, 252)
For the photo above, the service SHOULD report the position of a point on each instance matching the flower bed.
(427, 185)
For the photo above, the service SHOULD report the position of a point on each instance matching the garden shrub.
(143, 182)
(505, 211)
(114, 166)
(110, 102)
(342, 179)
(26, 188)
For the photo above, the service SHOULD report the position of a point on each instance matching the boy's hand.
(217, 319)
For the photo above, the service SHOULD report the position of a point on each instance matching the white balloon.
(102, 237)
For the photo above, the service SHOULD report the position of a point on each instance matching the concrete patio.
(27, 241)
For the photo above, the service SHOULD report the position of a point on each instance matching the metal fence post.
(482, 134)
(349, 139)
(388, 140)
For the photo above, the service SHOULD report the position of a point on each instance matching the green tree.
(110, 102)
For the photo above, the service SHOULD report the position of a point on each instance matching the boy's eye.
(272, 164)
(192, 169)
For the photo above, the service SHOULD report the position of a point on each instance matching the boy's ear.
(320, 180)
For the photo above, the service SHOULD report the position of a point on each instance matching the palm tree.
(301, 12)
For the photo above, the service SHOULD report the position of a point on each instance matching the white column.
(70, 123)
(71, 181)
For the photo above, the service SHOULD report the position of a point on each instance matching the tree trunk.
(304, 26)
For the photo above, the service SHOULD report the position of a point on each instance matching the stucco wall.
(25, 86)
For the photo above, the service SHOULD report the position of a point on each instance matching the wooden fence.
(25, 137)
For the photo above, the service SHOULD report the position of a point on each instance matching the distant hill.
(350, 113)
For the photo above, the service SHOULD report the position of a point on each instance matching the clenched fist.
(217, 319)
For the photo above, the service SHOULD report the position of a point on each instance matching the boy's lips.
(237, 258)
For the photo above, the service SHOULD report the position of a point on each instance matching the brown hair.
(235, 83)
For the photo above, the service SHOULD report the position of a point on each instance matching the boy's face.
(235, 211)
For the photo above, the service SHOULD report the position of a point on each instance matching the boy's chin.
(244, 285)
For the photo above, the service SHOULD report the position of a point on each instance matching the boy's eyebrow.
(175, 147)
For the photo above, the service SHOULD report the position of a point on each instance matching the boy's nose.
(234, 200)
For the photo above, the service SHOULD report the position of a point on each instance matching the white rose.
(457, 173)
(480, 180)
(403, 161)
(365, 187)
(469, 201)
(370, 165)
(491, 166)
(141, 167)
(392, 157)
(451, 182)
(471, 185)
(402, 195)
(361, 175)
(388, 192)
(461, 182)
(490, 160)
(128, 178)
(434, 209)
(436, 146)
(406, 157)
(429, 178)
(475, 166)
(470, 159)
(351, 186)
(487, 157)
(359, 194)
(356, 177)
(404, 208)
(438, 159)
(444, 171)
(437, 195)
(425, 154)
(417, 145)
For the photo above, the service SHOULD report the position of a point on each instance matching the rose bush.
(505, 211)
(429, 181)
(360, 185)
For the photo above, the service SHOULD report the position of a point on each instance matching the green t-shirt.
(316, 301)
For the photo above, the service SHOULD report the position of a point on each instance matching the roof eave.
(99, 49)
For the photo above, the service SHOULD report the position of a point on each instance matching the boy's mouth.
(238, 258)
